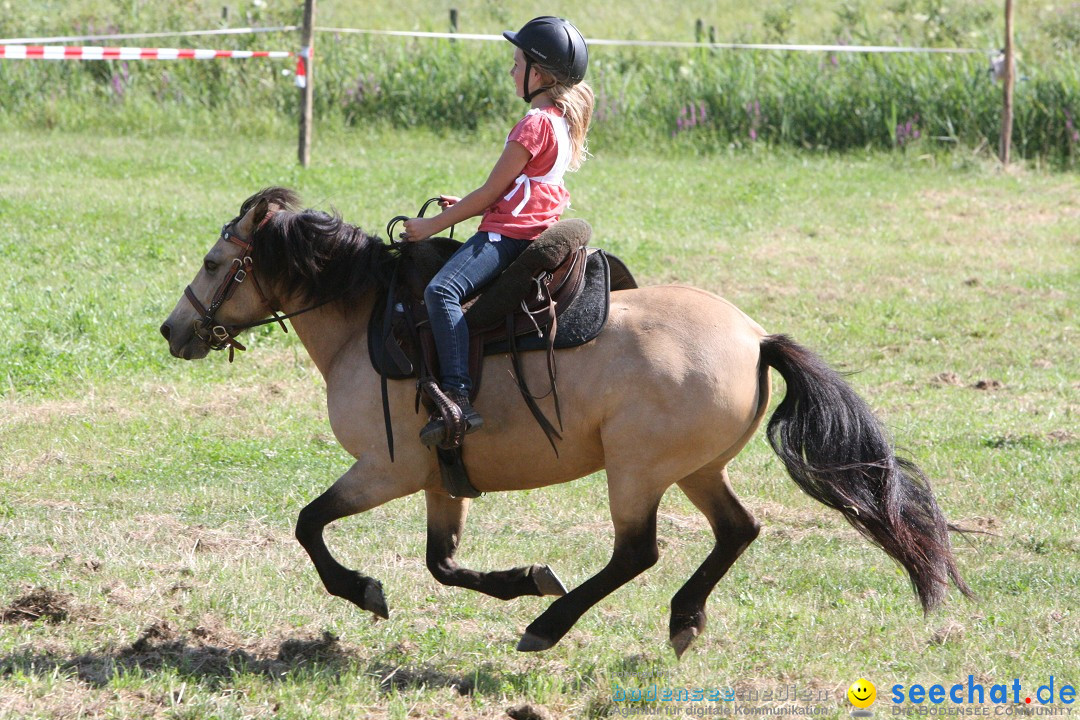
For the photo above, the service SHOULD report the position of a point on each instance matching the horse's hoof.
(682, 640)
(547, 582)
(532, 643)
(375, 601)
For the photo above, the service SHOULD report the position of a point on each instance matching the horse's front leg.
(361, 488)
(446, 521)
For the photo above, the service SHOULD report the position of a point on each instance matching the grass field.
(146, 504)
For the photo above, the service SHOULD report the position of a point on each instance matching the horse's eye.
(211, 266)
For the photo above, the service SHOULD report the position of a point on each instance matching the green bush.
(703, 99)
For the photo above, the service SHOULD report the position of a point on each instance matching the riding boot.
(434, 433)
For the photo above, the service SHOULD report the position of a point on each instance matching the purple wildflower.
(753, 112)
(366, 85)
(691, 115)
(908, 131)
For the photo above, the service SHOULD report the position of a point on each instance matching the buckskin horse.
(668, 394)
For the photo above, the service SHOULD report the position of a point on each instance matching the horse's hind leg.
(734, 527)
(446, 521)
(633, 512)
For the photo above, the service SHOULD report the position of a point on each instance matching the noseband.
(207, 328)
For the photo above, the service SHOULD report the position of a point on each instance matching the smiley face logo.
(862, 693)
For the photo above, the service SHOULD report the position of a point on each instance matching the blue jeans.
(475, 265)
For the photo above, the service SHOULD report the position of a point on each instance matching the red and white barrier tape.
(301, 67)
(84, 52)
(140, 36)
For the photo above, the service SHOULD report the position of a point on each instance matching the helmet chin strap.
(526, 95)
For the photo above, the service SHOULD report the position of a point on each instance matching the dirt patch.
(527, 712)
(14, 413)
(947, 205)
(796, 524)
(39, 604)
(210, 652)
(1062, 436)
(950, 632)
(404, 678)
(319, 650)
(980, 524)
(252, 539)
(947, 379)
(153, 635)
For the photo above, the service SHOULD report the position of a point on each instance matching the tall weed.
(703, 99)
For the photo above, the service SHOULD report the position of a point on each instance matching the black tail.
(839, 453)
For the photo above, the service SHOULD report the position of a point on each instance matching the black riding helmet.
(556, 46)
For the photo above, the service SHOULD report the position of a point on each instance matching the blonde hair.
(576, 103)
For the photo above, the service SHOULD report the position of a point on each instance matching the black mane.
(316, 256)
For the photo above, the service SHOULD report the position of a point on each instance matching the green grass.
(160, 495)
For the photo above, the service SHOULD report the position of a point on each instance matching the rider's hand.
(417, 229)
(446, 201)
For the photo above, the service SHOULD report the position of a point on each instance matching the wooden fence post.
(307, 92)
(1010, 81)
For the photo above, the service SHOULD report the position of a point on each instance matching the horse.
(668, 394)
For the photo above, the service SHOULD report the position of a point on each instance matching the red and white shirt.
(537, 198)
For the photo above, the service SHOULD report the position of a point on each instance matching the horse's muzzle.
(190, 348)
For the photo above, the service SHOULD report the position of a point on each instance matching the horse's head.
(224, 298)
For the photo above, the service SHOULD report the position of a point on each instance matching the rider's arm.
(510, 164)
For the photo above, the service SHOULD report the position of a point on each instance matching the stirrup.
(454, 417)
(434, 433)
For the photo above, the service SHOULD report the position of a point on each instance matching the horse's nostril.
(166, 331)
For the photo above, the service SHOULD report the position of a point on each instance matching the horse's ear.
(261, 210)
(253, 218)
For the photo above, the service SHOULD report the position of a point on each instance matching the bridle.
(207, 328)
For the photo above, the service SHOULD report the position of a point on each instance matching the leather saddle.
(520, 311)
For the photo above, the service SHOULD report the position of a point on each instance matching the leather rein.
(207, 328)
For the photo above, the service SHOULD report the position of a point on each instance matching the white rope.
(676, 44)
(498, 38)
